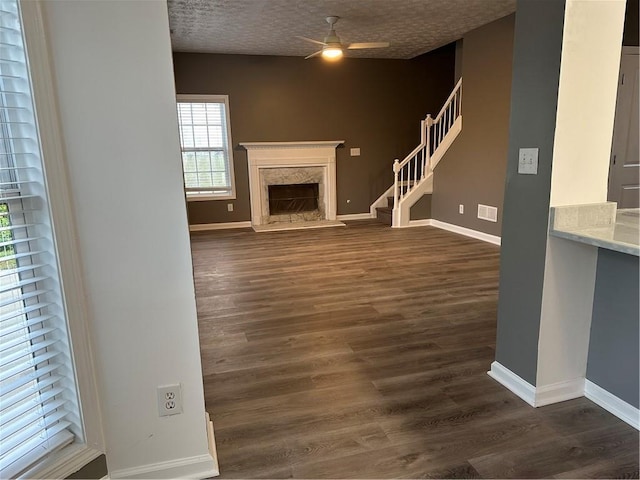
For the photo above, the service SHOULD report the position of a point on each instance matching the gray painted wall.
(473, 170)
(421, 209)
(373, 104)
(614, 353)
(534, 96)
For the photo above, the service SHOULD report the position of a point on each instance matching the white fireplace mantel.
(263, 155)
(280, 145)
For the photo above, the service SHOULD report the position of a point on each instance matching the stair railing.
(416, 166)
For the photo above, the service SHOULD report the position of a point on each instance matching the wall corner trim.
(202, 227)
(355, 216)
(618, 407)
(513, 382)
(485, 237)
(200, 466)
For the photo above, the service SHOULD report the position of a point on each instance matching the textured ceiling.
(269, 27)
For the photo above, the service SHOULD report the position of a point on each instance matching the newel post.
(427, 156)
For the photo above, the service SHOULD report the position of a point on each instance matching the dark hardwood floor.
(361, 352)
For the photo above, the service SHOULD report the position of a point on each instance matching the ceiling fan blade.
(319, 52)
(358, 46)
(311, 40)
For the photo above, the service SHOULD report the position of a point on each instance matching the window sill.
(65, 462)
(208, 198)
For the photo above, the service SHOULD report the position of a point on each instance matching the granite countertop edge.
(601, 225)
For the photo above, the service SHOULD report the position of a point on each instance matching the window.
(205, 138)
(38, 394)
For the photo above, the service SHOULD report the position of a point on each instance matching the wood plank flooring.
(361, 352)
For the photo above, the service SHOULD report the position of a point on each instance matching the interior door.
(624, 172)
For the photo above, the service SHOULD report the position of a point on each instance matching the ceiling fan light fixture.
(332, 53)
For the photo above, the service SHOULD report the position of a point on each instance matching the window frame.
(90, 444)
(224, 99)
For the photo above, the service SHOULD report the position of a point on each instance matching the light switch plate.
(528, 161)
(355, 152)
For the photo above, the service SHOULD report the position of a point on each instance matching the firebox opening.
(296, 198)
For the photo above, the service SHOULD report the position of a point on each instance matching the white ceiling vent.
(488, 213)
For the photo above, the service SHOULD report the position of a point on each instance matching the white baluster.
(395, 183)
(455, 105)
(415, 169)
(446, 120)
(402, 183)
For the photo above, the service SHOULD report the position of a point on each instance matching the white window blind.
(205, 138)
(38, 403)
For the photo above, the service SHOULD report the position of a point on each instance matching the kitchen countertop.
(600, 225)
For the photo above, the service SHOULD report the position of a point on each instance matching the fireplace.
(292, 184)
(296, 198)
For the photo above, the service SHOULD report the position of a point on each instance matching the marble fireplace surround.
(279, 163)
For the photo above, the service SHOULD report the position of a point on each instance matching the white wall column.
(115, 87)
(591, 47)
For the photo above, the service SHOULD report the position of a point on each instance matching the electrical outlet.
(169, 400)
(528, 161)
(460, 209)
(354, 152)
(229, 207)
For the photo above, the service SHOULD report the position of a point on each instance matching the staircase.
(413, 176)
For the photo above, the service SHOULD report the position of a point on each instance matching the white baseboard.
(537, 396)
(355, 216)
(621, 409)
(201, 227)
(485, 237)
(559, 392)
(201, 466)
(513, 382)
(423, 222)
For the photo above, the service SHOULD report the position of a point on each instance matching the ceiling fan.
(333, 48)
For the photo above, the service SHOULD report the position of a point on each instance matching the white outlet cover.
(528, 161)
(355, 152)
(169, 400)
